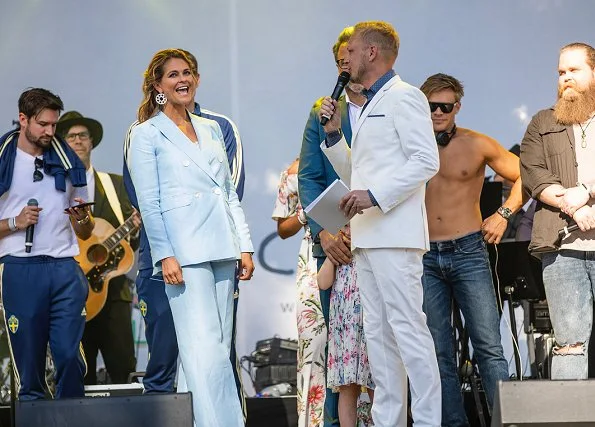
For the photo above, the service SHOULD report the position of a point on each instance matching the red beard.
(575, 107)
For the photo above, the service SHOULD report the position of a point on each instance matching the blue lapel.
(199, 155)
(345, 123)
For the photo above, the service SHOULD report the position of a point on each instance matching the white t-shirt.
(585, 157)
(54, 235)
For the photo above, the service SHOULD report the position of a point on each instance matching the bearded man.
(557, 169)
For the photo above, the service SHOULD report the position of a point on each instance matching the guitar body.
(100, 264)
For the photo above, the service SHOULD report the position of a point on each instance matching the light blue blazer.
(186, 197)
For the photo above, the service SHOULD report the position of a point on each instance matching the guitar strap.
(112, 197)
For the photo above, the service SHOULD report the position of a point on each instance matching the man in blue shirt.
(394, 154)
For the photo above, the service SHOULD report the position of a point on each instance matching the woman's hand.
(246, 266)
(172, 272)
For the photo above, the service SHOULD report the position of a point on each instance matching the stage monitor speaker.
(149, 410)
(272, 411)
(544, 403)
(111, 390)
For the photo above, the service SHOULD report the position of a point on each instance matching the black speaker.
(149, 410)
(272, 411)
(275, 374)
(544, 403)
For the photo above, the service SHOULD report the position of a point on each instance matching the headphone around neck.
(444, 137)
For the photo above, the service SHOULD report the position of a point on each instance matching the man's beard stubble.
(355, 87)
(41, 142)
(577, 107)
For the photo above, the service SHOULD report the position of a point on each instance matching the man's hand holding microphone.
(356, 201)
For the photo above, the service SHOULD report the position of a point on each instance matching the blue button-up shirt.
(369, 93)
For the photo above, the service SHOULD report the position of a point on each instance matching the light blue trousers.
(202, 310)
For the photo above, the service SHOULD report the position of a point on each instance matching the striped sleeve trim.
(127, 141)
(236, 164)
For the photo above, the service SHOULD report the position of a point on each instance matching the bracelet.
(301, 217)
(580, 184)
(83, 221)
(12, 224)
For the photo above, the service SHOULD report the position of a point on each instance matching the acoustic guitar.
(104, 255)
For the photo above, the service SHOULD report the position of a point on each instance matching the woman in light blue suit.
(196, 230)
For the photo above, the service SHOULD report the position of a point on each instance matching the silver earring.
(160, 98)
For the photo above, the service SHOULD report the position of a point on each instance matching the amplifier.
(275, 351)
(275, 374)
(537, 317)
(133, 389)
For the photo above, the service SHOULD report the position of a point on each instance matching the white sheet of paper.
(325, 208)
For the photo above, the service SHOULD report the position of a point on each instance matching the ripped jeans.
(569, 279)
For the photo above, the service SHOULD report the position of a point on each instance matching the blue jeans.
(460, 269)
(568, 278)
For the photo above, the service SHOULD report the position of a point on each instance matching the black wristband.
(333, 137)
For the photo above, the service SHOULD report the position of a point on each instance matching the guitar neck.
(121, 233)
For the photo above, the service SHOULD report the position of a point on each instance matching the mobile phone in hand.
(80, 206)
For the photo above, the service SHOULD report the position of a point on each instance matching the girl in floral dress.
(348, 369)
(312, 332)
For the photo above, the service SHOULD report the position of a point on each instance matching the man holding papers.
(393, 155)
(325, 208)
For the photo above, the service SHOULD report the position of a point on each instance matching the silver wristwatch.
(505, 212)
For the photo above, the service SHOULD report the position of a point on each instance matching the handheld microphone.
(337, 91)
(30, 229)
(563, 232)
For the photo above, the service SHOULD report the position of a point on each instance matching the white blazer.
(393, 154)
(187, 199)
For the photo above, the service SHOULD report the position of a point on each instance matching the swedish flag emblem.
(142, 306)
(13, 324)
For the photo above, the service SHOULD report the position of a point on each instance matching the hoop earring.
(160, 98)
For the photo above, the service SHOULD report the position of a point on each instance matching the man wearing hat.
(111, 330)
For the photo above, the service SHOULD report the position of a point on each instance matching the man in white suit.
(392, 157)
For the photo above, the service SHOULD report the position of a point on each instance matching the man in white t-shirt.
(43, 288)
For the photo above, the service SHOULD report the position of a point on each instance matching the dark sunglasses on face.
(37, 174)
(445, 107)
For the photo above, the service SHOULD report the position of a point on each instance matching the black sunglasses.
(445, 107)
(37, 174)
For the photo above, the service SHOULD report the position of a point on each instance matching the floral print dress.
(312, 332)
(347, 353)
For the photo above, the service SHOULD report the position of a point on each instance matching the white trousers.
(398, 338)
(202, 309)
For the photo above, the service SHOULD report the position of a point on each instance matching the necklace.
(583, 132)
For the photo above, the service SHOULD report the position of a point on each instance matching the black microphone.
(337, 91)
(563, 232)
(30, 229)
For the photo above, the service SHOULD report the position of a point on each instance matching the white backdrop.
(264, 62)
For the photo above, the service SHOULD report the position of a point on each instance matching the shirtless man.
(457, 265)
